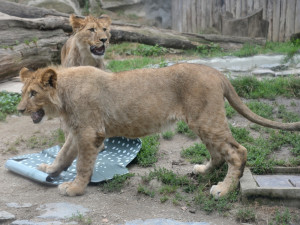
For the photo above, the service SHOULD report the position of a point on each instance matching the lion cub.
(86, 47)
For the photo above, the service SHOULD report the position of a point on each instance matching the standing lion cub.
(87, 46)
(137, 103)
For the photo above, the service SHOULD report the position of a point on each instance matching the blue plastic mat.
(118, 153)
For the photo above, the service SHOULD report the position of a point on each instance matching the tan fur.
(76, 51)
(95, 105)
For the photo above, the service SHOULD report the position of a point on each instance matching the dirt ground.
(109, 208)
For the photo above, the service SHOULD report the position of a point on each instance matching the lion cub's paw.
(218, 190)
(46, 168)
(199, 169)
(70, 189)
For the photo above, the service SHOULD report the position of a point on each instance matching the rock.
(17, 205)
(61, 210)
(250, 26)
(274, 67)
(263, 72)
(288, 72)
(6, 216)
(298, 65)
(28, 222)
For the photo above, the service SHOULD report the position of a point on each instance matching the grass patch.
(183, 128)
(147, 156)
(168, 135)
(261, 109)
(251, 87)
(130, 64)
(146, 191)
(286, 116)
(196, 154)
(117, 183)
(80, 218)
(230, 112)
(246, 215)
(8, 103)
(36, 141)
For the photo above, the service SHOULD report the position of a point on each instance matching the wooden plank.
(276, 18)
(250, 5)
(270, 19)
(194, 16)
(244, 8)
(256, 4)
(208, 14)
(290, 19)
(264, 6)
(233, 8)
(228, 5)
(238, 8)
(199, 15)
(203, 12)
(282, 20)
(297, 19)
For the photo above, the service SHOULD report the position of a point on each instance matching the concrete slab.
(272, 188)
(277, 180)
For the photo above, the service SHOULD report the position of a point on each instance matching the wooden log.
(23, 11)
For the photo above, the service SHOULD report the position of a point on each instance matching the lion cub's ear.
(49, 77)
(25, 74)
(76, 22)
(105, 18)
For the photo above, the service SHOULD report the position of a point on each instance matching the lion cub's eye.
(92, 29)
(33, 93)
(104, 29)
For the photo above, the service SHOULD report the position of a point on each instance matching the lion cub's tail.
(239, 106)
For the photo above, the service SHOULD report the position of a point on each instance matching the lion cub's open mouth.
(37, 116)
(97, 50)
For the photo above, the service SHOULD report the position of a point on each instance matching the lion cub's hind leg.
(88, 147)
(222, 147)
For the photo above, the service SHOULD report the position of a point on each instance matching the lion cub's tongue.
(37, 116)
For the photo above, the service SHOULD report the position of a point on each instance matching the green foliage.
(37, 141)
(147, 156)
(287, 116)
(168, 135)
(209, 204)
(117, 183)
(251, 87)
(149, 50)
(146, 191)
(196, 154)
(247, 50)
(230, 112)
(130, 64)
(246, 215)
(262, 109)
(183, 128)
(211, 49)
(282, 218)
(81, 219)
(8, 103)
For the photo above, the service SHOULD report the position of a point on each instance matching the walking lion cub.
(95, 105)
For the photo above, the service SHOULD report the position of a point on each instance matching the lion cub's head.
(39, 96)
(92, 33)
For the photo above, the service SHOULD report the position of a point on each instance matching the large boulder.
(250, 26)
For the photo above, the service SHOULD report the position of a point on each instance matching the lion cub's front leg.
(64, 158)
(88, 143)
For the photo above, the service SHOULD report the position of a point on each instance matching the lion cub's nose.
(103, 40)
